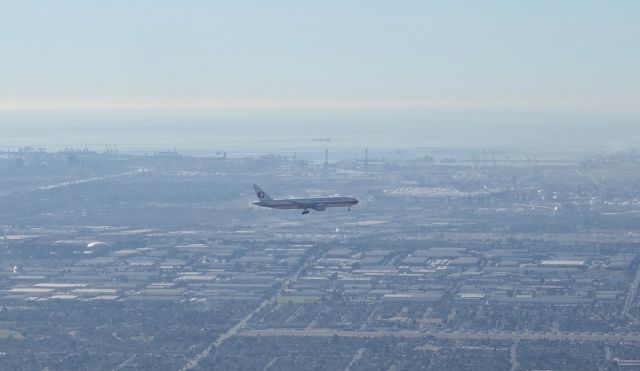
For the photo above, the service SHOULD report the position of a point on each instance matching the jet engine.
(319, 207)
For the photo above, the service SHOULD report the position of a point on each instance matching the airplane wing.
(318, 206)
(302, 205)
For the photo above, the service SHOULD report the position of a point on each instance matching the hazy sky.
(555, 55)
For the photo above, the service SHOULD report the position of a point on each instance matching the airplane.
(317, 204)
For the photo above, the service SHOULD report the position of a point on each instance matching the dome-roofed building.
(96, 245)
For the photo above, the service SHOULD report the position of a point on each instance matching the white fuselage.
(319, 203)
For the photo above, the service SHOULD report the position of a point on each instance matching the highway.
(238, 328)
(75, 182)
(450, 335)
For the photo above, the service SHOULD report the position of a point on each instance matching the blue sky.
(568, 56)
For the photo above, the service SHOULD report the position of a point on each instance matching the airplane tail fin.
(262, 196)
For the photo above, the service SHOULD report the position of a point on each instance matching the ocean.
(347, 133)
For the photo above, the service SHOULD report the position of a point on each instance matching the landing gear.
(305, 212)
(349, 209)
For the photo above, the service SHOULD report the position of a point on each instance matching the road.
(193, 362)
(454, 335)
(75, 182)
(513, 356)
(631, 296)
(355, 359)
(233, 331)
